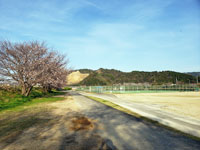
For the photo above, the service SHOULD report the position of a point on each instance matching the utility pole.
(197, 79)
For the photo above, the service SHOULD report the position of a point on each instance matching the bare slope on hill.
(76, 77)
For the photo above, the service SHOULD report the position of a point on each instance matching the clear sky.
(145, 35)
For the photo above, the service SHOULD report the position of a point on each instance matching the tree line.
(32, 64)
(111, 76)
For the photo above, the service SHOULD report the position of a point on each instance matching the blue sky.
(145, 35)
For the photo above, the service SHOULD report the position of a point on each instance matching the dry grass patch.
(81, 123)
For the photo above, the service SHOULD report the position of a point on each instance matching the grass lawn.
(18, 113)
(10, 99)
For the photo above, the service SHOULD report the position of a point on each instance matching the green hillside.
(111, 76)
(194, 73)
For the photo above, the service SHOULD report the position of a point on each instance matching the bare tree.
(55, 75)
(27, 63)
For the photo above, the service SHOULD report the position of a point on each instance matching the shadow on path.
(128, 132)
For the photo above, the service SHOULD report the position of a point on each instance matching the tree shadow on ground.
(44, 130)
(12, 128)
(84, 135)
(136, 133)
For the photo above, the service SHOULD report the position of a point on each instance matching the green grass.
(127, 111)
(15, 120)
(19, 113)
(9, 100)
(67, 88)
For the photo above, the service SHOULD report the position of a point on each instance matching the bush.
(10, 88)
(67, 88)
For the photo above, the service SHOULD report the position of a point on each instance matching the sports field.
(141, 91)
(182, 103)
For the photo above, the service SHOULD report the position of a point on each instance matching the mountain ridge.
(112, 76)
(193, 73)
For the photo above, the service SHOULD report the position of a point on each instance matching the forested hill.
(194, 73)
(111, 76)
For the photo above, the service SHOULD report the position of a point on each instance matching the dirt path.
(55, 126)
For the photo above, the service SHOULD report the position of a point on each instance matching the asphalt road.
(179, 122)
(129, 133)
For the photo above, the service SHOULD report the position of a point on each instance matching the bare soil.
(76, 77)
(182, 103)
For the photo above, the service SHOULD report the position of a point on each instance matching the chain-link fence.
(139, 89)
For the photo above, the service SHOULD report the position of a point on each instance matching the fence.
(139, 89)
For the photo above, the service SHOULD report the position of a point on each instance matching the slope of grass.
(9, 100)
(18, 113)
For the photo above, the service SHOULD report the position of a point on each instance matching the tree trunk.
(23, 90)
(46, 88)
(26, 89)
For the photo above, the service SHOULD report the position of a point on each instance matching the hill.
(194, 73)
(76, 77)
(112, 76)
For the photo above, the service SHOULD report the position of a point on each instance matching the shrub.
(67, 88)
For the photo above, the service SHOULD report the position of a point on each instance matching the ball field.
(181, 103)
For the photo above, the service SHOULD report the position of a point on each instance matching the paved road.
(182, 123)
(129, 133)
